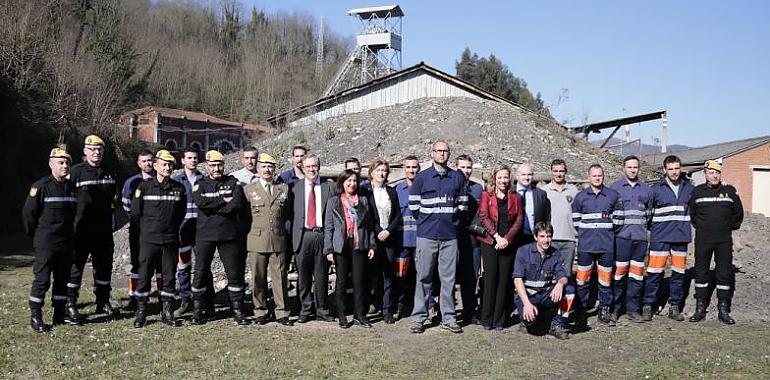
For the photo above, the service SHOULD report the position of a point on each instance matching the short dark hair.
(145, 152)
(351, 160)
(543, 226)
(295, 147)
(250, 148)
(463, 157)
(347, 173)
(629, 158)
(190, 149)
(557, 162)
(671, 159)
(595, 166)
(411, 157)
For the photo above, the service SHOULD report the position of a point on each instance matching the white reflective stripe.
(698, 285)
(580, 282)
(73, 286)
(591, 226)
(216, 193)
(621, 263)
(59, 199)
(162, 198)
(604, 283)
(135, 276)
(415, 197)
(603, 268)
(433, 201)
(596, 215)
(617, 222)
(59, 298)
(183, 266)
(409, 218)
(95, 182)
(414, 208)
(634, 212)
(191, 215)
(410, 228)
(535, 284)
(166, 294)
(139, 294)
(531, 291)
(101, 282)
(677, 270)
(35, 299)
(635, 276)
(629, 222)
(678, 253)
(131, 293)
(190, 205)
(576, 215)
(462, 207)
(185, 249)
(197, 290)
(658, 253)
(671, 218)
(714, 199)
(462, 198)
(723, 287)
(159, 276)
(618, 213)
(638, 264)
(438, 210)
(235, 288)
(654, 270)
(663, 210)
(584, 268)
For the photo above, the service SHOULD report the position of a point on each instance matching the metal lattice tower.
(378, 47)
(319, 59)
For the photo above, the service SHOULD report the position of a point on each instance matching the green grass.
(661, 349)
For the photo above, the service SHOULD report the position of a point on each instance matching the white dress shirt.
(382, 202)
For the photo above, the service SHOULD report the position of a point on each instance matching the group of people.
(509, 244)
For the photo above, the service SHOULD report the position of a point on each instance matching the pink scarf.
(349, 208)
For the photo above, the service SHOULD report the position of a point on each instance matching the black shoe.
(417, 328)
(167, 315)
(486, 327)
(559, 332)
(635, 317)
(71, 314)
(452, 327)
(58, 313)
(581, 322)
(605, 317)
(326, 318)
(724, 313)
(36, 321)
(303, 319)
(262, 319)
(199, 312)
(389, 319)
(343, 323)
(674, 313)
(647, 313)
(238, 317)
(131, 303)
(363, 322)
(141, 314)
(700, 311)
(284, 321)
(104, 306)
(185, 307)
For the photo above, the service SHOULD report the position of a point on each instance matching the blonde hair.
(377, 163)
(491, 185)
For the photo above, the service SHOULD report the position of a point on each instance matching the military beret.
(60, 153)
(165, 156)
(94, 140)
(267, 159)
(714, 165)
(214, 155)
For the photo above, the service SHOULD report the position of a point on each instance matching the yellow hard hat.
(714, 165)
(214, 155)
(165, 156)
(60, 153)
(94, 140)
(267, 159)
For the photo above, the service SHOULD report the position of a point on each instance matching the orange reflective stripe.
(657, 261)
(565, 305)
(637, 270)
(605, 276)
(401, 266)
(679, 261)
(583, 275)
(621, 271)
(185, 257)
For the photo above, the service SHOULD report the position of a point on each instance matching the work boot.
(184, 307)
(581, 322)
(558, 331)
(104, 306)
(58, 312)
(647, 313)
(141, 313)
(635, 317)
(167, 314)
(36, 321)
(71, 314)
(724, 313)
(199, 310)
(674, 313)
(605, 317)
(238, 316)
(700, 311)
(131, 303)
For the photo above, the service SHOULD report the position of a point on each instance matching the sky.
(707, 63)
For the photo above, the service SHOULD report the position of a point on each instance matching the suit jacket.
(395, 220)
(297, 193)
(334, 226)
(268, 213)
(488, 216)
(542, 205)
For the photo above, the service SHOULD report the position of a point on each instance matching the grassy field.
(661, 349)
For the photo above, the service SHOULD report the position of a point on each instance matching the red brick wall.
(737, 171)
(145, 133)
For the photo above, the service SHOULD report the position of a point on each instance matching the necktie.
(311, 222)
(268, 189)
(526, 228)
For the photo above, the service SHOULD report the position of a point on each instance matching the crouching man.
(541, 284)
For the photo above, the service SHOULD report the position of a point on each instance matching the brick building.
(179, 129)
(745, 165)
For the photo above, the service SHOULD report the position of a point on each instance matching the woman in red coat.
(500, 213)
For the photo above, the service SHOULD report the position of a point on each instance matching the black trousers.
(149, 256)
(724, 273)
(355, 263)
(234, 261)
(49, 262)
(100, 247)
(498, 267)
(390, 288)
(313, 271)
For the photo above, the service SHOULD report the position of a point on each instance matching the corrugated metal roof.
(195, 116)
(697, 156)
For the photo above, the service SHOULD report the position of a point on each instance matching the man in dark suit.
(537, 207)
(309, 203)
